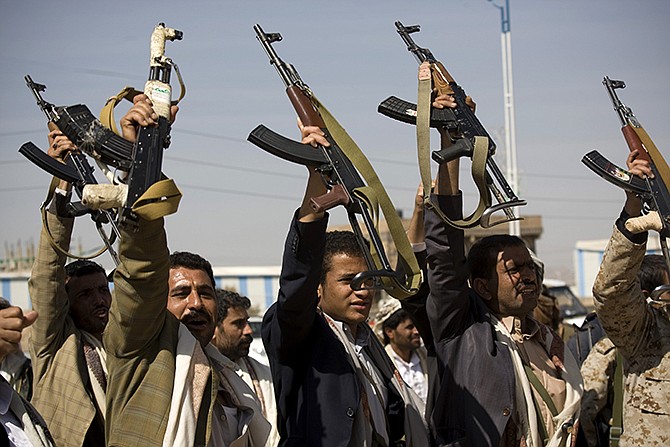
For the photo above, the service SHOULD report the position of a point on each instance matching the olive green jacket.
(61, 390)
(141, 343)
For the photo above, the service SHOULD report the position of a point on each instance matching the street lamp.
(508, 100)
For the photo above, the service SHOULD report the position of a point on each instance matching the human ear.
(481, 286)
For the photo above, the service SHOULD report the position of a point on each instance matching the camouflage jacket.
(598, 374)
(642, 335)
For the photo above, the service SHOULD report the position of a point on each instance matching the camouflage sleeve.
(598, 373)
(619, 301)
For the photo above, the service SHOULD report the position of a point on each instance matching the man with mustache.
(167, 384)
(233, 337)
(506, 379)
(334, 383)
(68, 357)
(402, 343)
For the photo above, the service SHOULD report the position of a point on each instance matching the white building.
(588, 256)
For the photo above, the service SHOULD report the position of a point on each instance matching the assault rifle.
(82, 128)
(147, 160)
(342, 178)
(463, 127)
(654, 192)
(76, 171)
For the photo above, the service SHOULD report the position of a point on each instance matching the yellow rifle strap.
(374, 194)
(129, 93)
(107, 112)
(655, 155)
(43, 211)
(160, 199)
(479, 156)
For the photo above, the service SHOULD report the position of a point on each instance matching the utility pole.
(508, 101)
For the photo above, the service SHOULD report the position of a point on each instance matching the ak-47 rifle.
(464, 129)
(82, 128)
(76, 171)
(654, 192)
(145, 170)
(342, 177)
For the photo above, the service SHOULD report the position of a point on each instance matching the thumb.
(29, 318)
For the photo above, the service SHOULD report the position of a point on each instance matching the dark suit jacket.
(476, 396)
(415, 305)
(315, 385)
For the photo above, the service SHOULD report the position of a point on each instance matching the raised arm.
(619, 301)
(47, 278)
(448, 302)
(139, 310)
(290, 322)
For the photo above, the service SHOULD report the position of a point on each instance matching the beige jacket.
(642, 335)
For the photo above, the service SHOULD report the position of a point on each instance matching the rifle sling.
(43, 211)
(542, 391)
(479, 156)
(375, 194)
(107, 112)
(616, 424)
(163, 197)
(160, 199)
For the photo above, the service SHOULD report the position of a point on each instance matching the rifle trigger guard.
(485, 220)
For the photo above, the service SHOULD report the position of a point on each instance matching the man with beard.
(73, 301)
(402, 343)
(506, 379)
(233, 337)
(167, 384)
(639, 331)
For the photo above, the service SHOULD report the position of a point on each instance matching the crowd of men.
(163, 360)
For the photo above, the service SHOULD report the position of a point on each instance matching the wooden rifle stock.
(304, 108)
(634, 142)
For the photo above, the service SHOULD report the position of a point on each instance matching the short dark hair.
(4, 304)
(340, 242)
(652, 272)
(82, 267)
(393, 321)
(192, 261)
(225, 299)
(483, 255)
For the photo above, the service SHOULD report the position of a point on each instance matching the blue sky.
(238, 199)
